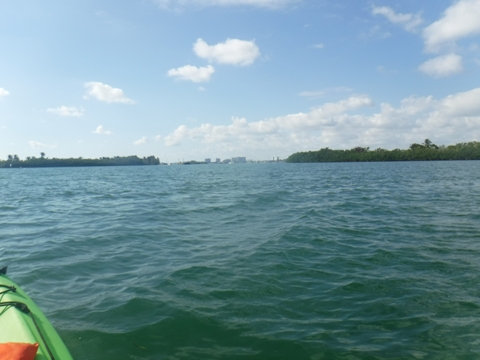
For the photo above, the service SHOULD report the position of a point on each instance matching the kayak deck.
(22, 321)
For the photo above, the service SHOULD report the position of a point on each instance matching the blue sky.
(191, 79)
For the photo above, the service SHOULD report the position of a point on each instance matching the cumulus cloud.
(464, 104)
(272, 4)
(67, 111)
(232, 51)
(192, 73)
(319, 46)
(141, 141)
(240, 127)
(410, 22)
(345, 124)
(458, 21)
(4, 92)
(100, 130)
(106, 93)
(442, 66)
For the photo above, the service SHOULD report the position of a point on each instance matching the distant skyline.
(196, 79)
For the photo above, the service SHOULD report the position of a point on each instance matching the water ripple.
(261, 261)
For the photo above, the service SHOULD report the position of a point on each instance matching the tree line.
(13, 161)
(427, 151)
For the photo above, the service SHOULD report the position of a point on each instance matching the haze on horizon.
(196, 79)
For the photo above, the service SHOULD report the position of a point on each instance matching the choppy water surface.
(255, 261)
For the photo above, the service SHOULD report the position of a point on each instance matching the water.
(255, 261)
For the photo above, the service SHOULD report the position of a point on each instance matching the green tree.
(416, 146)
(429, 145)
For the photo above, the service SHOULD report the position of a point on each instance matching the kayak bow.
(21, 321)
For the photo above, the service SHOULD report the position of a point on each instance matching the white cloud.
(462, 104)
(344, 124)
(442, 66)
(410, 22)
(313, 94)
(383, 70)
(375, 32)
(460, 20)
(158, 137)
(67, 111)
(38, 145)
(101, 131)
(272, 4)
(240, 128)
(192, 73)
(232, 51)
(106, 93)
(4, 92)
(141, 141)
(319, 46)
(321, 93)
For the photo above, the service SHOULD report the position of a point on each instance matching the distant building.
(208, 161)
(217, 161)
(239, 160)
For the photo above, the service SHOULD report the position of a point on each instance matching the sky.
(196, 79)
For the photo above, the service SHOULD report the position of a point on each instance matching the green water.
(255, 261)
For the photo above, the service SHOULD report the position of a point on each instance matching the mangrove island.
(13, 161)
(427, 151)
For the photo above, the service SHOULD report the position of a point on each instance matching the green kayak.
(21, 321)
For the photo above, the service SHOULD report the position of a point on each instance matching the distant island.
(13, 161)
(427, 151)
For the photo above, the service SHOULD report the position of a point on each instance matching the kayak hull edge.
(22, 321)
